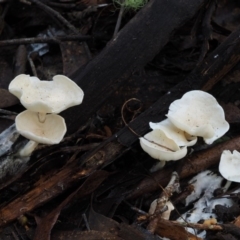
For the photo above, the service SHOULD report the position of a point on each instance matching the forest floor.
(132, 64)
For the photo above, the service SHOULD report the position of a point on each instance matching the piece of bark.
(45, 224)
(133, 47)
(53, 184)
(173, 231)
(191, 165)
(83, 235)
(20, 60)
(232, 112)
(231, 228)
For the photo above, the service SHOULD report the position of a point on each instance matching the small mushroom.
(43, 99)
(199, 114)
(160, 147)
(174, 133)
(229, 165)
(51, 131)
(46, 96)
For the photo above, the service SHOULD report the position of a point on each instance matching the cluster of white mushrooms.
(196, 114)
(43, 101)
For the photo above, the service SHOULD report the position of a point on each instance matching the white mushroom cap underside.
(173, 133)
(151, 142)
(46, 96)
(199, 114)
(51, 131)
(229, 165)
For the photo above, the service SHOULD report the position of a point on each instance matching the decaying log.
(133, 47)
(54, 183)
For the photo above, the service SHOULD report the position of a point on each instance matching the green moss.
(132, 4)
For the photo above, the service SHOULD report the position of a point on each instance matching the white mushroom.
(46, 96)
(229, 166)
(160, 147)
(199, 114)
(174, 133)
(51, 131)
(42, 98)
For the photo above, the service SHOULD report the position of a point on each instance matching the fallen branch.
(131, 49)
(56, 39)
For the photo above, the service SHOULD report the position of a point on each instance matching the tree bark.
(133, 47)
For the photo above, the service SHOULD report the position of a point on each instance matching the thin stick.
(34, 71)
(86, 221)
(54, 13)
(119, 20)
(173, 186)
(56, 39)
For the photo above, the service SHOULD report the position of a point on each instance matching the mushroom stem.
(28, 149)
(226, 186)
(42, 117)
(158, 166)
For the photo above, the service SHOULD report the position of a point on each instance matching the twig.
(54, 13)
(119, 20)
(63, 5)
(34, 71)
(86, 221)
(56, 39)
(173, 186)
(3, 111)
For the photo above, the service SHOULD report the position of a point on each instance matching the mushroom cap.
(150, 144)
(199, 114)
(229, 165)
(173, 133)
(51, 131)
(46, 96)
